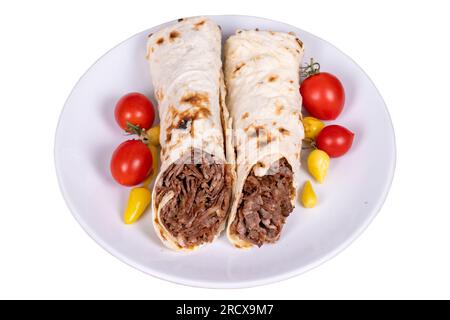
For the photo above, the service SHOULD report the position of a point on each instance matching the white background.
(45, 46)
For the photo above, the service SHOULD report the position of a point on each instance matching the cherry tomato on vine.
(323, 94)
(335, 140)
(134, 108)
(131, 163)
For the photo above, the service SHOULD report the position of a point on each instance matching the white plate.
(354, 192)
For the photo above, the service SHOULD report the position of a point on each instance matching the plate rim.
(231, 284)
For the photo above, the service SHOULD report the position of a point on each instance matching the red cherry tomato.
(131, 163)
(323, 95)
(136, 109)
(335, 140)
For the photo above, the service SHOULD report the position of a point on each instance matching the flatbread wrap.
(192, 192)
(262, 79)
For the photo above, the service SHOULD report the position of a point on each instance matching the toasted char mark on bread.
(199, 24)
(183, 123)
(172, 111)
(181, 19)
(168, 138)
(198, 112)
(238, 67)
(278, 108)
(283, 131)
(300, 42)
(149, 35)
(272, 78)
(259, 164)
(256, 131)
(160, 41)
(264, 140)
(196, 99)
(173, 35)
(184, 120)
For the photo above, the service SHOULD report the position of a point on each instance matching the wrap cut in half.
(262, 79)
(192, 193)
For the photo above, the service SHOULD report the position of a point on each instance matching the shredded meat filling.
(264, 206)
(200, 203)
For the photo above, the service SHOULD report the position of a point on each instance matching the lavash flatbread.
(186, 71)
(262, 79)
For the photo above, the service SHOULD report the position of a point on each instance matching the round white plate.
(354, 192)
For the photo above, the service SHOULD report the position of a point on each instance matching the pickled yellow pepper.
(153, 135)
(312, 127)
(308, 197)
(318, 163)
(138, 200)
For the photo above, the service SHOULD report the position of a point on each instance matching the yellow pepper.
(312, 127)
(308, 197)
(138, 201)
(318, 163)
(155, 155)
(153, 135)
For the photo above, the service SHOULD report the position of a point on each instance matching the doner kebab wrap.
(192, 192)
(262, 79)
